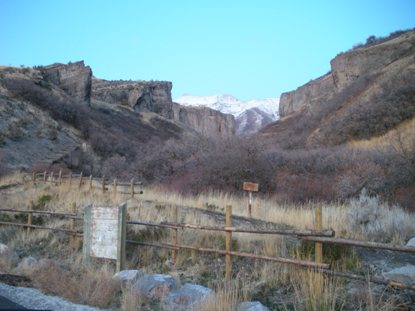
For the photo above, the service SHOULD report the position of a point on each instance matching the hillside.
(369, 91)
(60, 114)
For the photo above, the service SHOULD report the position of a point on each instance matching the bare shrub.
(375, 220)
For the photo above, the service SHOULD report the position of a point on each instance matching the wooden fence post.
(122, 214)
(90, 182)
(51, 178)
(319, 226)
(132, 187)
(30, 218)
(60, 177)
(44, 177)
(72, 240)
(86, 245)
(174, 235)
(228, 242)
(34, 178)
(70, 179)
(80, 181)
(103, 184)
(115, 188)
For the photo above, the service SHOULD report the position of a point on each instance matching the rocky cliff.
(155, 97)
(369, 91)
(141, 96)
(207, 122)
(346, 69)
(73, 78)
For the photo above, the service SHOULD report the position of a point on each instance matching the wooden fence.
(319, 235)
(102, 183)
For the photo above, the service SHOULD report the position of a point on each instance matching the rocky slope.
(368, 92)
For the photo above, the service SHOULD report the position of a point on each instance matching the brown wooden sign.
(250, 186)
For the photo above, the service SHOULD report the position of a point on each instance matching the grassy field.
(281, 287)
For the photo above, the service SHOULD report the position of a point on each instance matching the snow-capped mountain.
(250, 116)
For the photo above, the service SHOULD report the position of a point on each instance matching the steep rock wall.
(142, 96)
(73, 78)
(207, 122)
(346, 68)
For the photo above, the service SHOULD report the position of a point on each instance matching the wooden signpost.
(250, 187)
(104, 233)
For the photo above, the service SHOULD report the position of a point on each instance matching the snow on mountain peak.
(250, 116)
(229, 104)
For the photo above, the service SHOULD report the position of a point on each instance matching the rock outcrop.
(141, 96)
(367, 94)
(311, 94)
(207, 122)
(346, 68)
(73, 78)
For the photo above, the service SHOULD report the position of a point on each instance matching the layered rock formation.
(73, 78)
(155, 97)
(141, 96)
(207, 122)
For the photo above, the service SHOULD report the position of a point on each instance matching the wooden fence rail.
(106, 185)
(319, 236)
(294, 232)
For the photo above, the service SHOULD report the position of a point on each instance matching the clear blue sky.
(249, 49)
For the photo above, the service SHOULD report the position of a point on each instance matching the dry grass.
(402, 136)
(92, 287)
(155, 205)
(316, 292)
(310, 290)
(227, 296)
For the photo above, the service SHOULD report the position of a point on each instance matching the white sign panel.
(104, 232)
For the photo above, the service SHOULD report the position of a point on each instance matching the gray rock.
(27, 264)
(251, 306)
(405, 275)
(411, 242)
(74, 78)
(128, 277)
(154, 286)
(4, 249)
(188, 297)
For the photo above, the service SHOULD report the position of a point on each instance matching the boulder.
(154, 286)
(251, 306)
(411, 242)
(128, 277)
(188, 297)
(405, 275)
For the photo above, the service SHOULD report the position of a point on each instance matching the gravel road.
(34, 299)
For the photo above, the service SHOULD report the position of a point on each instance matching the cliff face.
(308, 95)
(369, 91)
(74, 79)
(205, 121)
(346, 68)
(142, 96)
